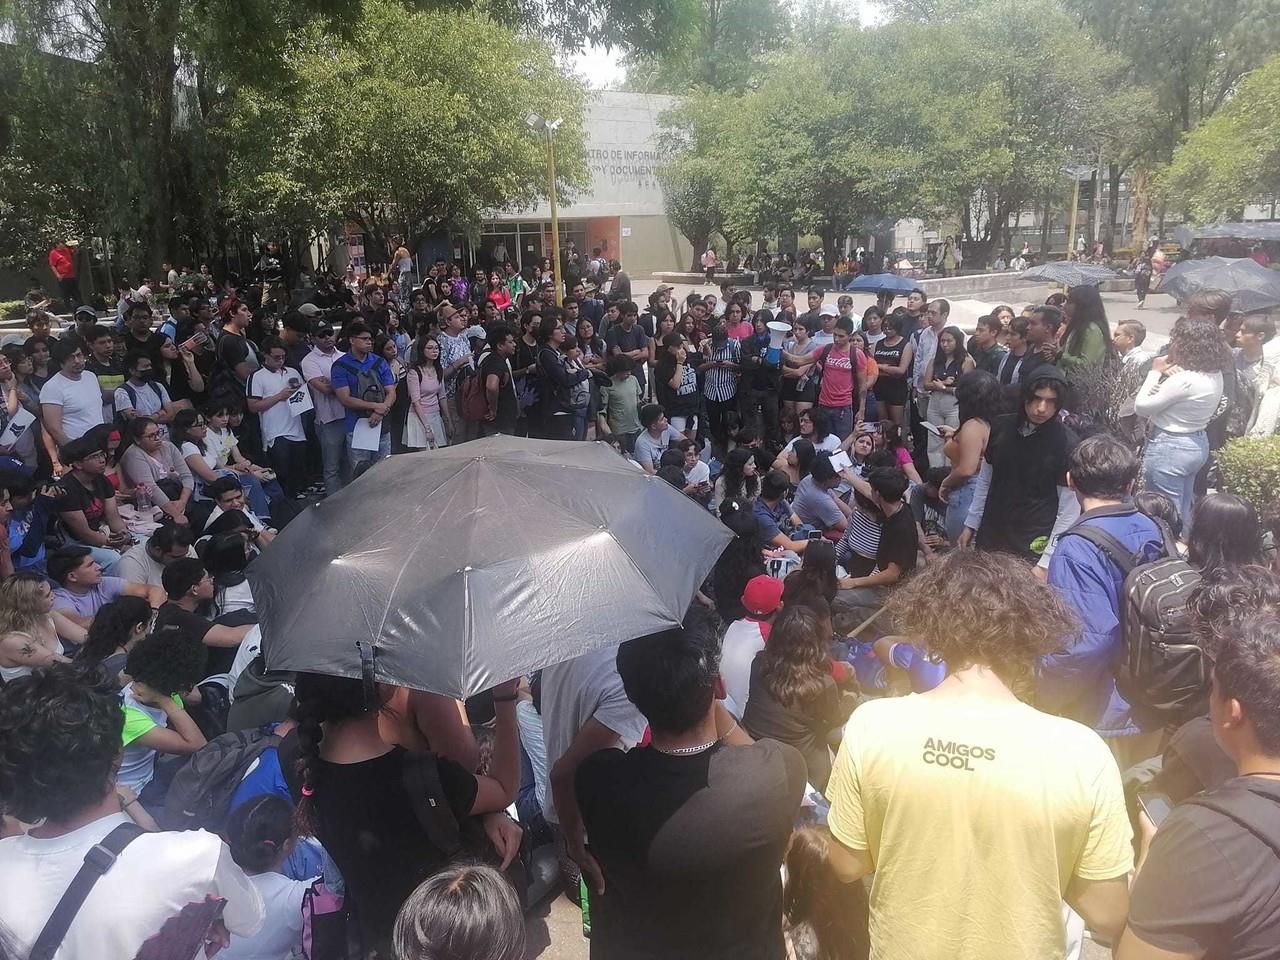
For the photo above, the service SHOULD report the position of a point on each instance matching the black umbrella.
(463, 567)
(1251, 285)
(1069, 273)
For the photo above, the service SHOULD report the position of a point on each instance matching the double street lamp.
(548, 128)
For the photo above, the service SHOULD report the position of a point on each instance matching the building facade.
(621, 212)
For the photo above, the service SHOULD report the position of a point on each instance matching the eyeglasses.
(96, 455)
(151, 435)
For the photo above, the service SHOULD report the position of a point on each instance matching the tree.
(1232, 158)
(417, 120)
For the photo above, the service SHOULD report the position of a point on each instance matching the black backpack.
(368, 385)
(201, 790)
(1164, 675)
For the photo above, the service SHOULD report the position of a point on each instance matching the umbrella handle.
(864, 624)
(370, 685)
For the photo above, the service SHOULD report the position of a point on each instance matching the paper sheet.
(366, 436)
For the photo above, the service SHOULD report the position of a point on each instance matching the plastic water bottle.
(142, 497)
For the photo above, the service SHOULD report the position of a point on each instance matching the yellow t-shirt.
(976, 816)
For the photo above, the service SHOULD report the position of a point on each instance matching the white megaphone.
(778, 331)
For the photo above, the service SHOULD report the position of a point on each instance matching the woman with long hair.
(1085, 339)
(799, 386)
(815, 579)
(352, 796)
(978, 400)
(814, 425)
(1225, 535)
(824, 917)
(894, 439)
(796, 460)
(115, 630)
(225, 556)
(859, 341)
(676, 384)
(1180, 397)
(261, 835)
(741, 560)
(498, 293)
(738, 478)
(28, 629)
(209, 449)
(793, 698)
(894, 355)
(950, 361)
(424, 427)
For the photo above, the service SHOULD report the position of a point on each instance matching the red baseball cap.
(762, 596)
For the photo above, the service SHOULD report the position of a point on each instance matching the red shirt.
(62, 262)
(837, 377)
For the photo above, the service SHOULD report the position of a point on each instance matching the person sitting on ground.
(793, 698)
(155, 467)
(467, 910)
(745, 637)
(862, 595)
(1195, 895)
(115, 631)
(816, 579)
(60, 744)
(190, 589)
(82, 590)
(145, 562)
(816, 502)
(825, 918)
(164, 670)
(774, 513)
(741, 560)
(211, 451)
(261, 835)
(29, 627)
(656, 435)
(225, 556)
(971, 752)
(88, 502)
(1225, 535)
(142, 395)
(227, 494)
(700, 801)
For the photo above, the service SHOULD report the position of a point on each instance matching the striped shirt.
(721, 384)
(861, 538)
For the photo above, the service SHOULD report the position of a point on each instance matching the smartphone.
(873, 427)
(1156, 806)
(815, 534)
(931, 427)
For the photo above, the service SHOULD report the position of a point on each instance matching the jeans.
(940, 409)
(841, 419)
(958, 507)
(1170, 465)
(718, 418)
(760, 411)
(362, 460)
(333, 451)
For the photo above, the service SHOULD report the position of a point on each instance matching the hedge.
(1250, 467)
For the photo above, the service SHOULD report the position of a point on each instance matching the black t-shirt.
(892, 390)
(627, 341)
(508, 410)
(367, 825)
(150, 345)
(1209, 883)
(690, 849)
(173, 617)
(180, 381)
(1026, 471)
(90, 500)
(234, 349)
(898, 541)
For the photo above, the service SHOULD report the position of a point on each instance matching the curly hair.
(1220, 603)
(794, 664)
(979, 396)
(976, 608)
(169, 662)
(112, 626)
(60, 737)
(1197, 345)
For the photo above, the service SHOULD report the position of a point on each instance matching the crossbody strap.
(100, 858)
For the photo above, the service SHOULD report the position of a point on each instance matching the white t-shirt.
(280, 420)
(80, 400)
(701, 473)
(155, 877)
(252, 517)
(281, 935)
(137, 566)
(209, 456)
(830, 444)
(585, 688)
(742, 641)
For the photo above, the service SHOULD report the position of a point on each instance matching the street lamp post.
(548, 129)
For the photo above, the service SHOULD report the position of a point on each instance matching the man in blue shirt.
(366, 387)
(774, 514)
(1079, 681)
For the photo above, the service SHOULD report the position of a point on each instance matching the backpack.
(133, 394)
(1164, 675)
(474, 398)
(201, 790)
(368, 385)
(324, 923)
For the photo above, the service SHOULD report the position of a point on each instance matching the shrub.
(12, 309)
(1250, 467)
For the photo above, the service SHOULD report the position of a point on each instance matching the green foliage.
(418, 119)
(12, 309)
(1233, 158)
(1250, 468)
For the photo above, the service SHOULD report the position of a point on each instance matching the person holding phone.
(277, 395)
(950, 362)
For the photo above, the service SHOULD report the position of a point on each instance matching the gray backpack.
(201, 791)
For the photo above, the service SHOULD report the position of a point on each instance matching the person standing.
(331, 427)
(503, 406)
(843, 389)
(62, 261)
(1035, 825)
(628, 337)
(275, 393)
(366, 387)
(688, 832)
(720, 369)
(708, 262)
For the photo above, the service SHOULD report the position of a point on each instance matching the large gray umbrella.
(466, 566)
(1251, 285)
(1069, 273)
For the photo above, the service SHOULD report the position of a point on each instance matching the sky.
(602, 69)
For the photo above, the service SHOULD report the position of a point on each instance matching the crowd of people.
(988, 662)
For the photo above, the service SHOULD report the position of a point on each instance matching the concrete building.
(621, 212)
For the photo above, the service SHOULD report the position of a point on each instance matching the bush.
(1250, 467)
(12, 309)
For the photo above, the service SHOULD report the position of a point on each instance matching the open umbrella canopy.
(466, 566)
(1069, 273)
(1251, 285)
(887, 282)
(1255, 230)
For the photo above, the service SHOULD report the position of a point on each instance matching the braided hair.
(320, 699)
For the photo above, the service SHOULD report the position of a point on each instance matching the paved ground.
(1158, 315)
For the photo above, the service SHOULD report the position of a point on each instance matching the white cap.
(828, 310)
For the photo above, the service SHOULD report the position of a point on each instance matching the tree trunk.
(1113, 204)
(1046, 222)
(699, 242)
(1141, 208)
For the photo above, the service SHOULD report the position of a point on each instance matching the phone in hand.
(1157, 807)
(815, 535)
(194, 341)
(931, 427)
